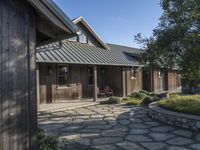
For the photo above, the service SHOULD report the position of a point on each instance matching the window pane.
(63, 70)
(62, 75)
(62, 80)
(73, 39)
(83, 38)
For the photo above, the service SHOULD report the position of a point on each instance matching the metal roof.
(77, 53)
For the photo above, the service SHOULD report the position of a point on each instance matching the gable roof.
(47, 12)
(77, 53)
(129, 54)
(84, 22)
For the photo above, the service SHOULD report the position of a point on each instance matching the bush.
(186, 104)
(150, 99)
(145, 92)
(138, 95)
(47, 142)
(112, 100)
(134, 102)
(144, 97)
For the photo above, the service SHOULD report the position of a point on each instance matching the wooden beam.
(38, 83)
(95, 82)
(123, 82)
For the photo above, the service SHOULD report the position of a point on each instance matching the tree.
(176, 40)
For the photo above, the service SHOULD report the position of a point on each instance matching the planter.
(173, 118)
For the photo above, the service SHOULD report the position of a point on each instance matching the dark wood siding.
(174, 80)
(134, 85)
(158, 82)
(18, 120)
(78, 86)
(114, 79)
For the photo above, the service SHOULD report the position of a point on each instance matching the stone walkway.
(116, 127)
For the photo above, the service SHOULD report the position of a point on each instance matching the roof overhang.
(51, 21)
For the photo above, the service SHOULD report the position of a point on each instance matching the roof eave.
(48, 8)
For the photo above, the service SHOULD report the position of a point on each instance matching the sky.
(116, 21)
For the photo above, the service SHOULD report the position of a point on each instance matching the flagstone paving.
(116, 127)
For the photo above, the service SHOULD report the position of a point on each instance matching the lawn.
(186, 104)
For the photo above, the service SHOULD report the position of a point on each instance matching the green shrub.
(145, 92)
(138, 95)
(112, 100)
(47, 142)
(150, 99)
(186, 104)
(134, 102)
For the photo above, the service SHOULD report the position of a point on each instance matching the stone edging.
(176, 119)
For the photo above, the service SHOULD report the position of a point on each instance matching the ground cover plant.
(182, 103)
(47, 142)
(142, 97)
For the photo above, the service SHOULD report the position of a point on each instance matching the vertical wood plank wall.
(78, 83)
(158, 82)
(18, 120)
(174, 80)
(134, 85)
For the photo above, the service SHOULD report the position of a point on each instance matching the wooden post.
(123, 82)
(38, 83)
(152, 80)
(95, 82)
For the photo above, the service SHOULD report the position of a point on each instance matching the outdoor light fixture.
(133, 73)
(79, 32)
(159, 74)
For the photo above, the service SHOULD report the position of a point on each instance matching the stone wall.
(176, 119)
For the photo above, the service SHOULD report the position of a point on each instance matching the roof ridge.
(123, 46)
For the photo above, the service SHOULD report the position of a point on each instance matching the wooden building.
(23, 24)
(81, 66)
(160, 81)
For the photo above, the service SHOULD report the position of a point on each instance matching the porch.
(59, 83)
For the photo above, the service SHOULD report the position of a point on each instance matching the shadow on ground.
(115, 127)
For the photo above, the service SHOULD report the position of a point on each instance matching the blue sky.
(116, 21)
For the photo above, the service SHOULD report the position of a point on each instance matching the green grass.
(186, 104)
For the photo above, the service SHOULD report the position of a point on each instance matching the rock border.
(173, 118)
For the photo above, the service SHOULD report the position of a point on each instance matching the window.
(63, 75)
(133, 73)
(73, 39)
(90, 75)
(83, 38)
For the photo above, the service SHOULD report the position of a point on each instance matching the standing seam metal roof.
(77, 53)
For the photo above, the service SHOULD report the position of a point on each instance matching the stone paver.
(116, 127)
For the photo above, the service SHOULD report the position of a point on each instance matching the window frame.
(58, 76)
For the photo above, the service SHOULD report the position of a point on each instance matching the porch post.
(152, 81)
(123, 82)
(95, 82)
(38, 83)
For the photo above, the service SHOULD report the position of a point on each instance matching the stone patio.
(116, 127)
